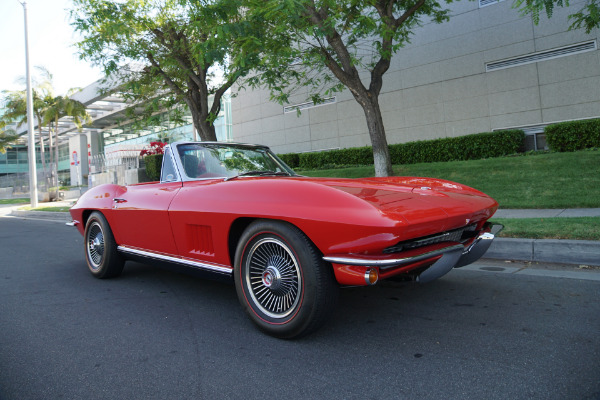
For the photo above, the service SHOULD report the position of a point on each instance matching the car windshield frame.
(219, 160)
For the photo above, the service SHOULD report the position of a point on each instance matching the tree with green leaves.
(328, 45)
(7, 137)
(15, 106)
(167, 51)
(16, 111)
(587, 17)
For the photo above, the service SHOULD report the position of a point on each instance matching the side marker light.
(372, 276)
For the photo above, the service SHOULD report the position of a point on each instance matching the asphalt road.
(156, 334)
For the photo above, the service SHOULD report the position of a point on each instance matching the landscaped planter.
(153, 164)
(48, 196)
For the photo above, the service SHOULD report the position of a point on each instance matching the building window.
(485, 3)
(310, 104)
(11, 157)
(541, 56)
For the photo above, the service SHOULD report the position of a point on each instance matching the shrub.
(291, 159)
(350, 156)
(153, 166)
(470, 147)
(573, 135)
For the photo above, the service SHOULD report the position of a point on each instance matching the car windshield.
(204, 160)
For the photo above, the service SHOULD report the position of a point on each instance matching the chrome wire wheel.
(281, 280)
(273, 276)
(101, 255)
(95, 245)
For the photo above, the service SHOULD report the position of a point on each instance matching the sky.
(51, 44)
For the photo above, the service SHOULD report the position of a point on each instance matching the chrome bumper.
(479, 246)
(453, 256)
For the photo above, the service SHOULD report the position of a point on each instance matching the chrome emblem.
(267, 278)
(271, 278)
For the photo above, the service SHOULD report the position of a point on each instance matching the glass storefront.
(165, 128)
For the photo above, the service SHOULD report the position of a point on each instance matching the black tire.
(281, 280)
(101, 254)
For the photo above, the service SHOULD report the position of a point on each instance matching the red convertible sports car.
(287, 241)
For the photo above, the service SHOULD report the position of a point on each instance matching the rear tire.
(101, 254)
(281, 280)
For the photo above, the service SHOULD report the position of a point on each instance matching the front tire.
(101, 254)
(281, 280)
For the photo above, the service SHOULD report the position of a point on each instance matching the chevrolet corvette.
(288, 242)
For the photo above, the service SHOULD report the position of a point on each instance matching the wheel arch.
(239, 226)
(85, 215)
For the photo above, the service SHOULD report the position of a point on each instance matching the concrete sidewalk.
(12, 210)
(548, 213)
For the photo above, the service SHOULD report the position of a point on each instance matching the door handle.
(116, 200)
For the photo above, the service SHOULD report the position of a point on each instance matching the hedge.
(573, 135)
(153, 165)
(291, 159)
(470, 147)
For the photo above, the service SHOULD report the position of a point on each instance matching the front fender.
(97, 198)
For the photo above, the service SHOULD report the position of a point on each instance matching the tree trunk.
(43, 158)
(381, 152)
(205, 129)
(42, 150)
(56, 154)
(43, 154)
(50, 147)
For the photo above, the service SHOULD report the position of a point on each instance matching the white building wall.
(438, 86)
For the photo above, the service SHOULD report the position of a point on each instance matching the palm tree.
(15, 104)
(42, 93)
(48, 109)
(7, 137)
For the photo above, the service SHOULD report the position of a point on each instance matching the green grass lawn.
(547, 180)
(580, 228)
(14, 201)
(46, 208)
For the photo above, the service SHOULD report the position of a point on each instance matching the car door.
(140, 217)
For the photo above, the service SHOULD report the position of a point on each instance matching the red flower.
(155, 148)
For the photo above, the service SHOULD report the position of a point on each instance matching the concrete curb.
(583, 252)
(48, 215)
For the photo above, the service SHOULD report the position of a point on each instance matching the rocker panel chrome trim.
(195, 264)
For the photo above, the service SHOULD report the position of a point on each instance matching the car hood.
(419, 200)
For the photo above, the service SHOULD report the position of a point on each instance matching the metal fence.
(101, 163)
(16, 185)
(121, 168)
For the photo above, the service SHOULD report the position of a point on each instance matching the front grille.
(456, 235)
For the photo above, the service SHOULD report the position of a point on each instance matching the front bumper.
(444, 257)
